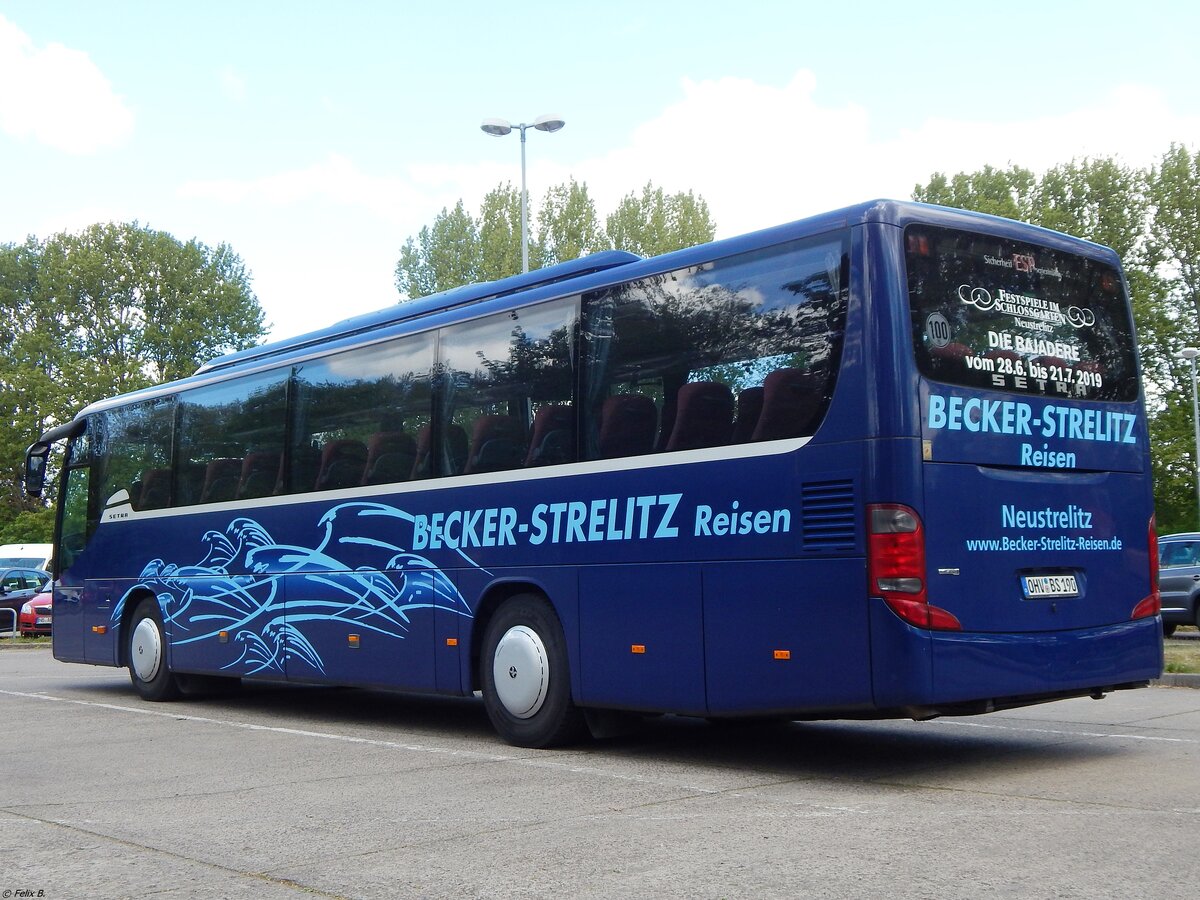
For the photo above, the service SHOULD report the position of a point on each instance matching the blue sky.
(315, 137)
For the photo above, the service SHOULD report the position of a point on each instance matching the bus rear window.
(994, 313)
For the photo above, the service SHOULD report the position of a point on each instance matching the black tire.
(146, 654)
(531, 705)
(1168, 630)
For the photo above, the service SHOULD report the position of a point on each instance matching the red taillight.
(896, 566)
(1150, 605)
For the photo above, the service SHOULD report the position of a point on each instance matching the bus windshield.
(994, 313)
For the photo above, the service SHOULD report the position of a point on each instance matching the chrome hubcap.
(145, 650)
(521, 671)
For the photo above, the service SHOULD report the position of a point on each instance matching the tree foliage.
(656, 223)
(112, 309)
(1151, 217)
(458, 249)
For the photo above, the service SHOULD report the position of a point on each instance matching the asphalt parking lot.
(278, 792)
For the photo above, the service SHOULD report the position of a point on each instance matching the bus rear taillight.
(896, 566)
(1150, 605)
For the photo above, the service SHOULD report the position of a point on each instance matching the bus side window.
(497, 371)
(759, 333)
(229, 433)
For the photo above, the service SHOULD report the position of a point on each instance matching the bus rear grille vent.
(827, 515)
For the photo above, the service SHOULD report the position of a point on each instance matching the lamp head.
(498, 127)
(548, 123)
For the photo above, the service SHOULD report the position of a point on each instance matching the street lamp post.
(1190, 354)
(501, 127)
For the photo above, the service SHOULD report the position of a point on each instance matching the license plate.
(1038, 586)
(43, 620)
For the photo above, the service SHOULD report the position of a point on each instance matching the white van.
(26, 556)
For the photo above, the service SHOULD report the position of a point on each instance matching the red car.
(35, 614)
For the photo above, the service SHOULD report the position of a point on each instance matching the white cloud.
(759, 155)
(336, 180)
(233, 85)
(57, 96)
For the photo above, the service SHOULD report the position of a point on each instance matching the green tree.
(458, 249)
(500, 233)
(1173, 187)
(568, 226)
(656, 223)
(999, 192)
(443, 256)
(113, 309)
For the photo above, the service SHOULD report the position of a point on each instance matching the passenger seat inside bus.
(628, 424)
(156, 490)
(456, 446)
(552, 440)
(260, 472)
(342, 465)
(703, 416)
(497, 444)
(221, 478)
(792, 401)
(390, 457)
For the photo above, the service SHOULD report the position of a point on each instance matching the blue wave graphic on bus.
(203, 600)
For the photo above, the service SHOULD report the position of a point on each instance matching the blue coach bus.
(887, 461)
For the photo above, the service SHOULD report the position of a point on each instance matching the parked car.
(25, 556)
(35, 615)
(17, 586)
(1179, 580)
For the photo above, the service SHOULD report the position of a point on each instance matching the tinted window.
(132, 446)
(232, 437)
(506, 390)
(993, 313)
(359, 415)
(736, 350)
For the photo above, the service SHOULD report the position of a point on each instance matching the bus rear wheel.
(526, 676)
(147, 654)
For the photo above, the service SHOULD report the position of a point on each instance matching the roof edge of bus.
(443, 300)
(897, 212)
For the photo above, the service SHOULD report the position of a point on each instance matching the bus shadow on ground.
(832, 749)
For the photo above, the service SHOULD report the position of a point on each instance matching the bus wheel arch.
(524, 673)
(132, 603)
(493, 598)
(144, 643)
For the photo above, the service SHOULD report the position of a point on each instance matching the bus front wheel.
(147, 654)
(526, 677)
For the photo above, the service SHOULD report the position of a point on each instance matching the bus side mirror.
(35, 469)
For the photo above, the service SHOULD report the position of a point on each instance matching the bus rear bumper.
(941, 672)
